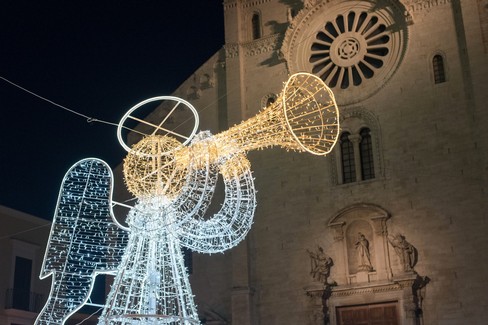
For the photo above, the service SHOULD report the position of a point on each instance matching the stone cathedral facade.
(392, 227)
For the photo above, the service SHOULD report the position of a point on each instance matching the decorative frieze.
(262, 45)
(419, 5)
(229, 4)
(255, 47)
(231, 50)
(388, 287)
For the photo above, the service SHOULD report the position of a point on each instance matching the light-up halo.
(174, 106)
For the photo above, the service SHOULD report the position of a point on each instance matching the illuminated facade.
(398, 208)
(391, 226)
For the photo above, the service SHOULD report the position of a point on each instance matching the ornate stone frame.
(298, 41)
(349, 287)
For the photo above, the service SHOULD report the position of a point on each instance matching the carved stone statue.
(364, 257)
(405, 251)
(320, 265)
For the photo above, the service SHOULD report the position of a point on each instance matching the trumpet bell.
(311, 113)
(304, 118)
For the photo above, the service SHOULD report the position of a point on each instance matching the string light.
(85, 239)
(174, 185)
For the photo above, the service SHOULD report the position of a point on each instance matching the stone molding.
(421, 5)
(343, 291)
(229, 4)
(256, 47)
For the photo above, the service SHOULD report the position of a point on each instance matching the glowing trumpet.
(305, 117)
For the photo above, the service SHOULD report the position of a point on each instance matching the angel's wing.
(85, 239)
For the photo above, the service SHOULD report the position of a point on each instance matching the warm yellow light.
(149, 168)
(304, 118)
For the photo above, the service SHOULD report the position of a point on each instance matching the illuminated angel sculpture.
(174, 183)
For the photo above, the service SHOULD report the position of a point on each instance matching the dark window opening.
(256, 26)
(270, 101)
(366, 154)
(22, 283)
(438, 67)
(347, 159)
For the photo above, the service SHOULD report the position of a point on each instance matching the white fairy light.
(174, 185)
(84, 239)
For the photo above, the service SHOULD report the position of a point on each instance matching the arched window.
(270, 101)
(438, 68)
(347, 159)
(366, 154)
(356, 158)
(256, 26)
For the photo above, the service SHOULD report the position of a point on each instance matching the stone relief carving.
(231, 51)
(364, 256)
(193, 93)
(406, 252)
(320, 265)
(206, 81)
(262, 45)
(256, 47)
(362, 251)
(417, 5)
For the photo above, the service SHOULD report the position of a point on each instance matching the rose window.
(350, 49)
(355, 46)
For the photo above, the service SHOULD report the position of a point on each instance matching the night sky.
(98, 58)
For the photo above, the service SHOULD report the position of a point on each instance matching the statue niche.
(360, 247)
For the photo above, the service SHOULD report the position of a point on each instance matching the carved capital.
(338, 229)
(379, 225)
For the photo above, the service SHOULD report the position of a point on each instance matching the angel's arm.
(229, 226)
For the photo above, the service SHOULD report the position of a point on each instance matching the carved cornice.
(229, 4)
(420, 5)
(262, 45)
(344, 291)
(314, 291)
(256, 47)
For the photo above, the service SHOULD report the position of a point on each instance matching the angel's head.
(150, 168)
